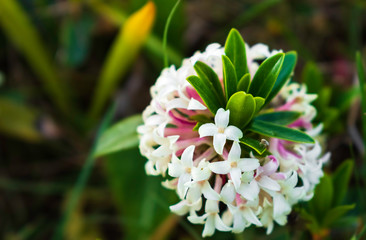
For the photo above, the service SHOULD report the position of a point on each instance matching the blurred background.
(69, 69)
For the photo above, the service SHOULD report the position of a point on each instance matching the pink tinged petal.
(239, 223)
(269, 183)
(222, 167)
(228, 193)
(175, 169)
(235, 151)
(233, 133)
(195, 105)
(249, 191)
(187, 156)
(249, 215)
(209, 193)
(219, 140)
(209, 228)
(271, 166)
(182, 189)
(280, 206)
(220, 225)
(248, 164)
(222, 118)
(180, 208)
(207, 129)
(235, 174)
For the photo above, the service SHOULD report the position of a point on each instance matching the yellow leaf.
(125, 48)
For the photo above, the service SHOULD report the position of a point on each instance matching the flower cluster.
(221, 182)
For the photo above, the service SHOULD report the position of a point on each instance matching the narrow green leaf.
(288, 67)
(362, 80)
(254, 144)
(266, 76)
(209, 76)
(280, 118)
(243, 83)
(335, 214)
(165, 37)
(278, 131)
(235, 51)
(259, 102)
(206, 92)
(323, 196)
(120, 136)
(124, 50)
(230, 80)
(242, 108)
(341, 178)
(197, 126)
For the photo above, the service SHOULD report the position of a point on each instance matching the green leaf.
(235, 51)
(266, 76)
(242, 108)
(323, 196)
(243, 83)
(229, 74)
(278, 131)
(197, 126)
(335, 214)
(288, 67)
(362, 80)
(120, 136)
(210, 78)
(254, 144)
(206, 92)
(280, 117)
(340, 179)
(259, 102)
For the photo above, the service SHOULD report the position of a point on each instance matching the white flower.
(234, 165)
(220, 130)
(245, 214)
(211, 219)
(182, 169)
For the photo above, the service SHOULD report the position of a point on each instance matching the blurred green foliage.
(53, 58)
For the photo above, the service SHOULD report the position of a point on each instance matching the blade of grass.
(362, 82)
(165, 37)
(20, 31)
(153, 43)
(84, 176)
(124, 50)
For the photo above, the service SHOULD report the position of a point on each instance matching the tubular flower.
(212, 168)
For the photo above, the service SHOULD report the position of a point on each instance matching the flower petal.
(233, 133)
(222, 167)
(209, 193)
(181, 188)
(197, 219)
(228, 192)
(239, 223)
(219, 140)
(235, 174)
(195, 105)
(207, 129)
(249, 191)
(280, 206)
(175, 169)
(220, 225)
(248, 164)
(235, 151)
(271, 166)
(269, 183)
(187, 156)
(222, 118)
(212, 206)
(180, 208)
(209, 228)
(249, 215)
